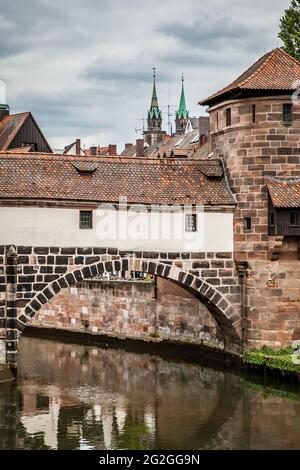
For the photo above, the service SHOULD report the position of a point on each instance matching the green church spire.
(182, 112)
(154, 112)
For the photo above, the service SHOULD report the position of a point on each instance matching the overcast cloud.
(84, 68)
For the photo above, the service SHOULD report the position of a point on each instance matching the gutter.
(226, 180)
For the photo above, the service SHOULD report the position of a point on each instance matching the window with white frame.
(86, 219)
(190, 222)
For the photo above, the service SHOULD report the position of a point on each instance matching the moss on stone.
(280, 359)
(267, 391)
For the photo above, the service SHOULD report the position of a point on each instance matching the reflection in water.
(77, 397)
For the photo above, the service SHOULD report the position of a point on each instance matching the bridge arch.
(222, 311)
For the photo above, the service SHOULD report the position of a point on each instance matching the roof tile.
(106, 179)
(276, 70)
(284, 192)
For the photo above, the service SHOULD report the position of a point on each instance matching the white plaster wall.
(132, 230)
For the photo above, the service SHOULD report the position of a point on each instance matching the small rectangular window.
(293, 219)
(247, 224)
(86, 220)
(190, 222)
(217, 121)
(253, 114)
(228, 117)
(287, 113)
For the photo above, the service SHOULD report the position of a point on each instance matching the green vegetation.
(290, 29)
(280, 359)
(267, 391)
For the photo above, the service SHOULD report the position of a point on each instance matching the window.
(86, 219)
(228, 117)
(33, 145)
(190, 222)
(217, 121)
(293, 218)
(253, 114)
(247, 224)
(287, 113)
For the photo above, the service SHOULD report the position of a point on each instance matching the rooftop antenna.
(169, 115)
(141, 129)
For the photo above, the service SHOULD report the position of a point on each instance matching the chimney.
(128, 146)
(139, 148)
(4, 111)
(203, 129)
(93, 150)
(78, 147)
(203, 139)
(112, 149)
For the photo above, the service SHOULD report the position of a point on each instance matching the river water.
(70, 396)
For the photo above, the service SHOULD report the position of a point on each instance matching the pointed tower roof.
(154, 111)
(275, 71)
(182, 112)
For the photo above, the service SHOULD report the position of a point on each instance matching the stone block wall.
(132, 309)
(250, 152)
(35, 275)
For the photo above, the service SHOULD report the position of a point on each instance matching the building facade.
(68, 219)
(255, 129)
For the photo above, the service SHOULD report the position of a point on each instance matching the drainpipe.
(242, 267)
(155, 309)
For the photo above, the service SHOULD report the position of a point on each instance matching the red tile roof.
(105, 179)
(9, 127)
(276, 70)
(284, 192)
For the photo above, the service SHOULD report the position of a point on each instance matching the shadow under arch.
(222, 311)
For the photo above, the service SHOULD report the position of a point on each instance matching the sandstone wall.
(130, 309)
(251, 151)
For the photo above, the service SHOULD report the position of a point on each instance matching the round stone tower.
(255, 129)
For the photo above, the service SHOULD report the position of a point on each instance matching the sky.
(84, 67)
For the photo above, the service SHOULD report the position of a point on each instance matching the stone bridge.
(31, 276)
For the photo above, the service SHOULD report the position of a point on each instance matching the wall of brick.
(130, 310)
(35, 275)
(251, 151)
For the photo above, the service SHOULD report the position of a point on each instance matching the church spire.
(154, 135)
(154, 112)
(154, 132)
(182, 113)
